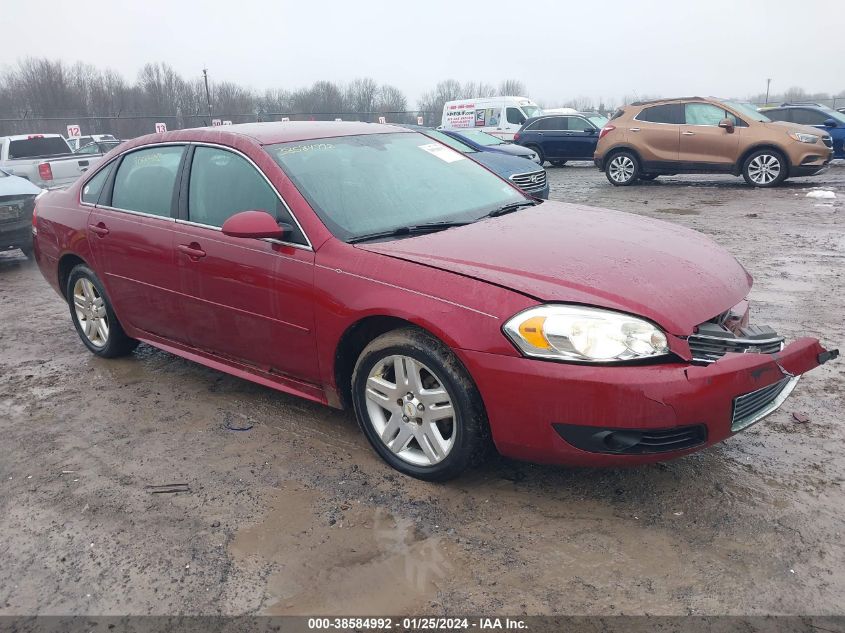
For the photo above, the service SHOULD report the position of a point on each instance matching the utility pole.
(768, 83)
(207, 93)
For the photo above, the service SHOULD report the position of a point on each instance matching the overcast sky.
(560, 50)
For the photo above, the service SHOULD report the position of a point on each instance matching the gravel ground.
(297, 515)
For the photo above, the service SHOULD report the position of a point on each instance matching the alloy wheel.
(764, 169)
(621, 168)
(410, 410)
(90, 310)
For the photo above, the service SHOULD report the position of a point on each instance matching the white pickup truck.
(45, 160)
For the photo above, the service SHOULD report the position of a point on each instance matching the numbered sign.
(420, 121)
(161, 128)
(382, 119)
(216, 122)
(74, 131)
(285, 119)
(227, 123)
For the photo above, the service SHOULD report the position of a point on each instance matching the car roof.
(290, 131)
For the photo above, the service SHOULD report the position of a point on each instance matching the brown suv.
(694, 135)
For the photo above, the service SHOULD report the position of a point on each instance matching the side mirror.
(255, 224)
(727, 125)
(590, 130)
(830, 123)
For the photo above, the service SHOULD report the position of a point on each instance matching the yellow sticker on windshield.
(446, 154)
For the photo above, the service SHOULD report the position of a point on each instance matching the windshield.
(530, 110)
(360, 185)
(37, 147)
(598, 120)
(748, 110)
(482, 138)
(833, 114)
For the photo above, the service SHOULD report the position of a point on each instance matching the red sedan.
(368, 266)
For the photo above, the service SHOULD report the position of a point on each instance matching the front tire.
(648, 176)
(418, 407)
(765, 168)
(558, 163)
(622, 169)
(93, 315)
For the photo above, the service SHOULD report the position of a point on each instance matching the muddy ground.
(297, 515)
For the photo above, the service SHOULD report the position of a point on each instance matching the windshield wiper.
(429, 227)
(510, 208)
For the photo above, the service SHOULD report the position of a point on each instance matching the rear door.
(131, 233)
(580, 138)
(246, 299)
(551, 135)
(703, 143)
(656, 134)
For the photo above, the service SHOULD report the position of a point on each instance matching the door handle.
(192, 250)
(633, 129)
(688, 133)
(98, 229)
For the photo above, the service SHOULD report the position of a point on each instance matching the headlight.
(804, 138)
(584, 334)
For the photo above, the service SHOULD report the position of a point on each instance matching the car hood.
(560, 252)
(786, 126)
(510, 148)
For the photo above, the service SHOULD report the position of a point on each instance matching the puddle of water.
(366, 562)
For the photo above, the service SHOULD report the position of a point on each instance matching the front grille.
(753, 407)
(714, 341)
(827, 141)
(534, 181)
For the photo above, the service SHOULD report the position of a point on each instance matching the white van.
(499, 116)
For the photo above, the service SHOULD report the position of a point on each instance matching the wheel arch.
(765, 145)
(67, 263)
(621, 148)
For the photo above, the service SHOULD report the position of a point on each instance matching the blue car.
(815, 114)
(481, 141)
(525, 174)
(558, 138)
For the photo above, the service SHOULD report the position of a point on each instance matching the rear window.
(38, 147)
(666, 113)
(617, 114)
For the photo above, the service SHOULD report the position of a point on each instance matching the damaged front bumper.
(620, 415)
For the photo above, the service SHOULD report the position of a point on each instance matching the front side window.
(671, 113)
(515, 116)
(91, 190)
(223, 183)
(362, 185)
(706, 114)
(145, 179)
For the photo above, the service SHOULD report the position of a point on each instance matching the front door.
(246, 299)
(131, 234)
(580, 139)
(703, 143)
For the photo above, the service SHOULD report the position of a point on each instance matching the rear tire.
(622, 169)
(765, 168)
(540, 156)
(93, 315)
(418, 406)
(558, 163)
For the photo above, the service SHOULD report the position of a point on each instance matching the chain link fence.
(130, 126)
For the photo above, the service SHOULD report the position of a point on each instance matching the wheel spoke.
(79, 301)
(102, 329)
(391, 428)
(440, 412)
(400, 442)
(381, 391)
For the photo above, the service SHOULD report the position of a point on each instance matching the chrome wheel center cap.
(410, 408)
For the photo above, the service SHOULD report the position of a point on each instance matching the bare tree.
(513, 88)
